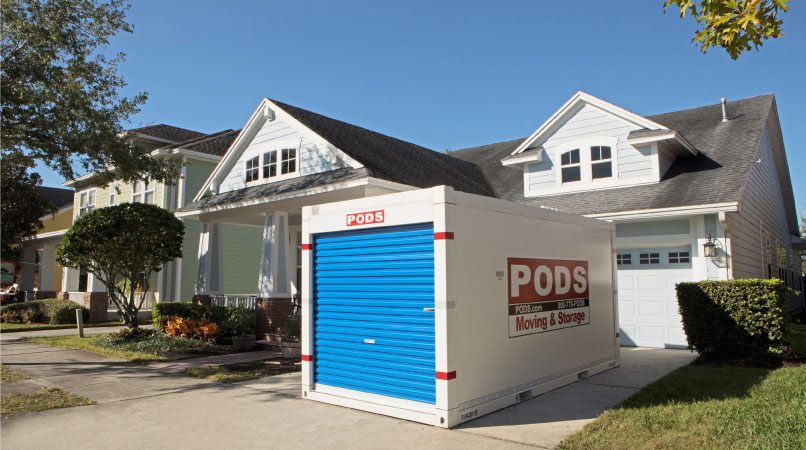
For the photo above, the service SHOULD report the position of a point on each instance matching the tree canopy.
(734, 25)
(60, 95)
(130, 241)
(22, 207)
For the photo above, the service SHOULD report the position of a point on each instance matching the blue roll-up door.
(374, 311)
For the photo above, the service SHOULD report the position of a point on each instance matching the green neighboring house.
(198, 154)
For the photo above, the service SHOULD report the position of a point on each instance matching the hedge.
(734, 318)
(51, 310)
(231, 321)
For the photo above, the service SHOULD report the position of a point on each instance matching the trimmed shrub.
(51, 310)
(734, 318)
(230, 321)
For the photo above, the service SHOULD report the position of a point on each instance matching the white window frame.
(571, 164)
(601, 160)
(148, 187)
(681, 257)
(624, 259)
(86, 201)
(586, 171)
(284, 158)
(270, 164)
(112, 193)
(255, 159)
(649, 257)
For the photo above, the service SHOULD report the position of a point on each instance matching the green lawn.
(90, 344)
(708, 407)
(12, 327)
(233, 373)
(46, 398)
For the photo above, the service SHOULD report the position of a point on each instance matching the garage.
(648, 311)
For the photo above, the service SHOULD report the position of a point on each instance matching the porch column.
(46, 266)
(27, 269)
(276, 258)
(69, 280)
(210, 279)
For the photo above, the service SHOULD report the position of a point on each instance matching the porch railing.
(147, 303)
(234, 301)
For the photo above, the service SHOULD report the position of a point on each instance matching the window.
(143, 192)
(601, 164)
(624, 259)
(112, 194)
(679, 257)
(270, 164)
(288, 164)
(252, 168)
(649, 258)
(571, 170)
(86, 202)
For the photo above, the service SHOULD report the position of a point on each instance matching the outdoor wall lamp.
(709, 248)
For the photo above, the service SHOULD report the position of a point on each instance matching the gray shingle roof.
(167, 132)
(392, 159)
(266, 191)
(716, 175)
(212, 144)
(58, 196)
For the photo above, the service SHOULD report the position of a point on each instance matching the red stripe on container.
(443, 235)
(307, 246)
(446, 375)
(307, 358)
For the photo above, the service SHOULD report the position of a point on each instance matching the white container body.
(493, 348)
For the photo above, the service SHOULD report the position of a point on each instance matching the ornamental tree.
(22, 207)
(60, 93)
(131, 242)
(734, 25)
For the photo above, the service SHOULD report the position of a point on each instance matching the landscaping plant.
(734, 318)
(130, 241)
(188, 328)
(52, 311)
(230, 321)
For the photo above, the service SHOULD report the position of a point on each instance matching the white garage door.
(648, 312)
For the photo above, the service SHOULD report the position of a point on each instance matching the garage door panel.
(374, 311)
(648, 310)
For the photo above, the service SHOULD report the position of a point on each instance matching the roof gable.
(571, 107)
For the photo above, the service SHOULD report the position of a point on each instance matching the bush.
(231, 321)
(153, 343)
(130, 334)
(293, 327)
(52, 311)
(734, 318)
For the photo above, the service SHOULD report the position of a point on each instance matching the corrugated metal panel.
(372, 332)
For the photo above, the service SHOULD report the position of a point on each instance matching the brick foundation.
(204, 300)
(96, 303)
(63, 295)
(46, 294)
(271, 316)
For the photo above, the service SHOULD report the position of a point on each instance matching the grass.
(155, 349)
(90, 344)
(706, 407)
(13, 327)
(11, 376)
(46, 398)
(233, 373)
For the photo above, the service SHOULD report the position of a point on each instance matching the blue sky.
(443, 74)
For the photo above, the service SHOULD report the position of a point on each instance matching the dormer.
(589, 144)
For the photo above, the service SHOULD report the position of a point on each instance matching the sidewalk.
(18, 335)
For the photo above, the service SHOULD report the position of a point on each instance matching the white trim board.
(668, 212)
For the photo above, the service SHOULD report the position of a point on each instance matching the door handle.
(429, 309)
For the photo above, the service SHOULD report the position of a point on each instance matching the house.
(39, 272)
(675, 184)
(197, 154)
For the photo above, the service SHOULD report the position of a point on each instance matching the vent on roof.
(724, 112)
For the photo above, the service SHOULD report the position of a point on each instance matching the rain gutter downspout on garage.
(723, 220)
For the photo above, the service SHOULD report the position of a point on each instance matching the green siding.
(196, 173)
(241, 247)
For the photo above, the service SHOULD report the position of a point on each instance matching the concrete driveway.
(139, 407)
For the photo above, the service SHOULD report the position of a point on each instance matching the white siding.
(590, 122)
(761, 210)
(314, 156)
(665, 160)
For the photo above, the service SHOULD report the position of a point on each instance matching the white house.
(672, 183)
